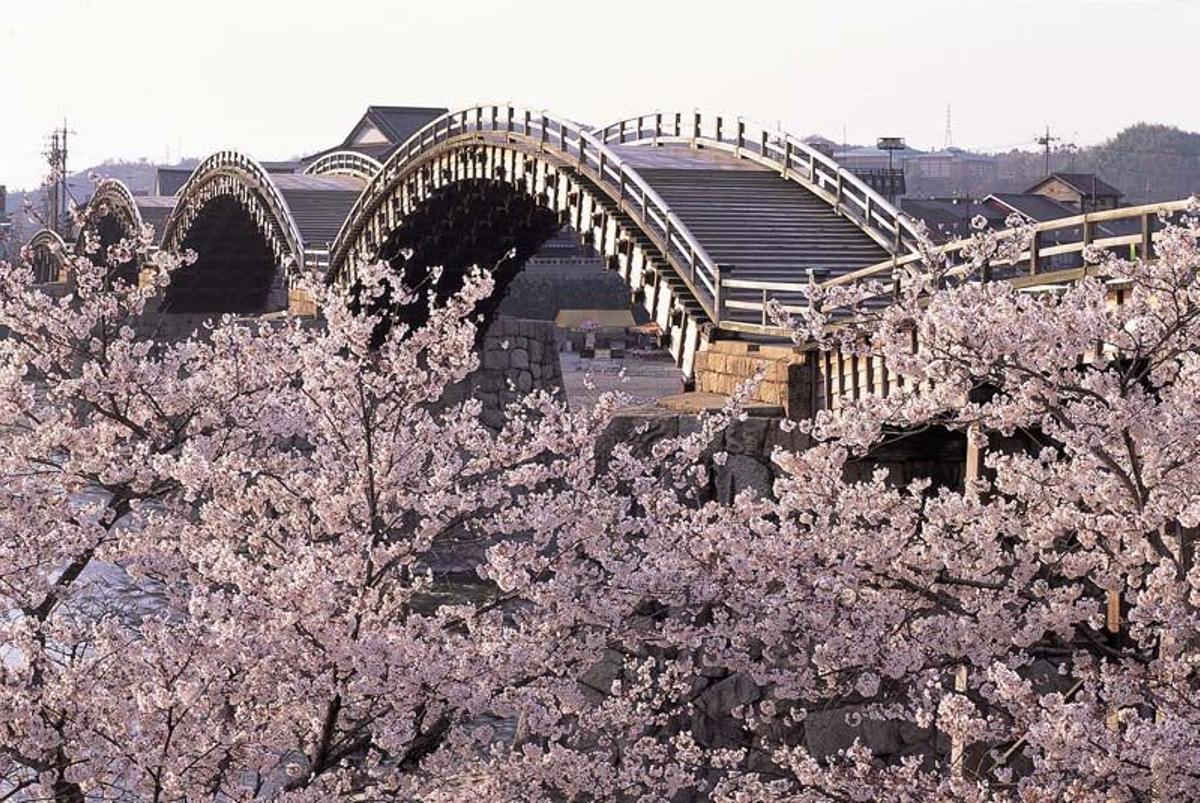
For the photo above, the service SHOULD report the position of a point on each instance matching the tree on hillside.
(284, 498)
(1148, 162)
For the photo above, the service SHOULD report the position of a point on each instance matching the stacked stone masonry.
(518, 356)
(787, 375)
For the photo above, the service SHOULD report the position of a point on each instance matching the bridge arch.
(111, 215)
(48, 254)
(521, 161)
(232, 214)
(344, 163)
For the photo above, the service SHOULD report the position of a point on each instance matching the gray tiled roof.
(318, 204)
(155, 209)
(396, 123)
(1037, 208)
(1083, 183)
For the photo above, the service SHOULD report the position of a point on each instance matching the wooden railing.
(1052, 238)
(570, 142)
(345, 163)
(1053, 256)
(795, 159)
(248, 181)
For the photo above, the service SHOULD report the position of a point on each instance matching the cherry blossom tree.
(337, 583)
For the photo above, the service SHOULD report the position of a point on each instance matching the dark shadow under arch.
(108, 229)
(468, 223)
(235, 266)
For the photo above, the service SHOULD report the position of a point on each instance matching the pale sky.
(278, 79)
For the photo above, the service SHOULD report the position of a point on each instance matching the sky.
(161, 78)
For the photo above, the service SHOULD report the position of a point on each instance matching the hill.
(139, 176)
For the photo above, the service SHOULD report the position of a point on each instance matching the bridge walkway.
(757, 225)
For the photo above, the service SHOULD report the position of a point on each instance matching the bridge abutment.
(788, 374)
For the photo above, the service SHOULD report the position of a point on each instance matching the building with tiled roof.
(382, 129)
(1080, 192)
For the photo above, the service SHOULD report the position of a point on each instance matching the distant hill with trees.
(1146, 162)
(138, 175)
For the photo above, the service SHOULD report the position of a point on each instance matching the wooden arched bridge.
(707, 218)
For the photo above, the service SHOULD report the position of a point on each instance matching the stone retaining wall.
(518, 356)
(787, 375)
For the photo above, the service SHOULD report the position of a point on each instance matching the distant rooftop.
(382, 129)
(1037, 208)
(1083, 183)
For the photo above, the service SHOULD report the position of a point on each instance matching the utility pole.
(58, 191)
(1045, 141)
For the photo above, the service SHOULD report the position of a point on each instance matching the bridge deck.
(756, 224)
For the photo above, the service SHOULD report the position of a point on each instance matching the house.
(1081, 192)
(1042, 207)
(949, 172)
(949, 219)
(1031, 207)
(382, 129)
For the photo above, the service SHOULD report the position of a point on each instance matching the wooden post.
(1033, 252)
(1147, 236)
(717, 297)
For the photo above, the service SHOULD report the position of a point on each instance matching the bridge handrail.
(569, 140)
(791, 156)
(51, 242)
(345, 163)
(111, 190)
(239, 165)
(1145, 214)
(1085, 223)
